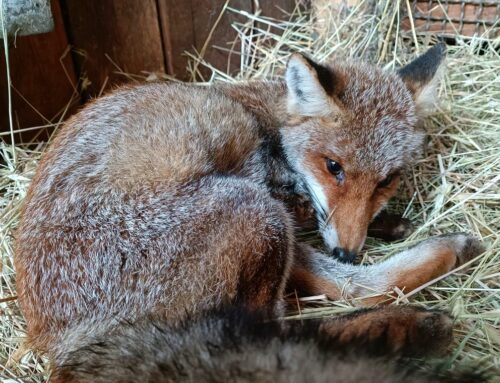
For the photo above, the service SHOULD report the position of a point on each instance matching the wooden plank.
(114, 36)
(278, 9)
(205, 16)
(43, 79)
(187, 26)
(176, 20)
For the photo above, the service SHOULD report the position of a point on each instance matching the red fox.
(162, 204)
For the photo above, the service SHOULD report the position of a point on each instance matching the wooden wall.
(97, 44)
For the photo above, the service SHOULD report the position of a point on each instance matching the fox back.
(103, 229)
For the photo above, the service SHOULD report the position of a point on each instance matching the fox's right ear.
(422, 75)
(309, 87)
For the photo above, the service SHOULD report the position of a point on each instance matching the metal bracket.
(26, 17)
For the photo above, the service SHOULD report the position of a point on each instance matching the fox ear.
(309, 85)
(421, 76)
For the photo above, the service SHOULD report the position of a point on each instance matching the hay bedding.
(455, 187)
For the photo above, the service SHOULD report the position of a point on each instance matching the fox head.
(351, 130)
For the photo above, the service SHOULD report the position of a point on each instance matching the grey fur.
(233, 346)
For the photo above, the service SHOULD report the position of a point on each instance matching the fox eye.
(335, 168)
(386, 181)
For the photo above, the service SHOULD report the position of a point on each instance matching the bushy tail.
(231, 345)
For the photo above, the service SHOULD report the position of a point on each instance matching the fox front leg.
(316, 273)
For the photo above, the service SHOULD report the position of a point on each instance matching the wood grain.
(43, 79)
(188, 25)
(279, 9)
(114, 36)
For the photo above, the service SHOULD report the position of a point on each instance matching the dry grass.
(455, 187)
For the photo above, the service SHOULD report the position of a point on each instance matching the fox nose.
(344, 255)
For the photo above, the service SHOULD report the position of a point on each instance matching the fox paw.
(465, 246)
(390, 227)
(431, 333)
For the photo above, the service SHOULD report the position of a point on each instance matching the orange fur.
(352, 204)
(442, 261)
(307, 282)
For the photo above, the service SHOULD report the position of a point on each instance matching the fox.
(163, 212)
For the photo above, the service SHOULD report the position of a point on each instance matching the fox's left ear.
(422, 75)
(310, 86)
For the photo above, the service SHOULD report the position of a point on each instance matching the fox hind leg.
(403, 330)
(255, 245)
(385, 330)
